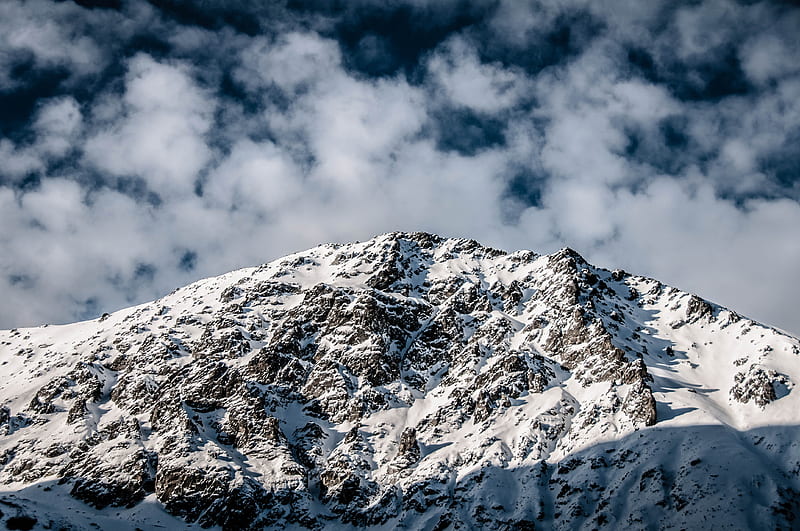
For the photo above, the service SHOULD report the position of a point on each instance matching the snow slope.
(405, 382)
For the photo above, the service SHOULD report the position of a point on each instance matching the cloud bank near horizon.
(146, 144)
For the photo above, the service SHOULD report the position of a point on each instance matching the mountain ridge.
(398, 382)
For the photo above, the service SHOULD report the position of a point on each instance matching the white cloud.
(18, 162)
(519, 22)
(468, 82)
(158, 133)
(739, 155)
(255, 176)
(57, 124)
(772, 54)
(294, 62)
(766, 57)
(36, 30)
(364, 123)
(707, 25)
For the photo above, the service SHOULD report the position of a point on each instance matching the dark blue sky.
(146, 144)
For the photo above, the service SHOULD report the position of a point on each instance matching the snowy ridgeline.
(405, 382)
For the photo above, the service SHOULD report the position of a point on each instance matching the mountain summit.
(408, 382)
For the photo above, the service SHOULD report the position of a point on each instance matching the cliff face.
(406, 381)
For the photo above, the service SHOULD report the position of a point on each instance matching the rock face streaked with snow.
(405, 382)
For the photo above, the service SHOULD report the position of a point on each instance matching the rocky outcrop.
(758, 384)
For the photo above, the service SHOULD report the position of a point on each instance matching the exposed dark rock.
(408, 451)
(5, 419)
(758, 385)
(697, 309)
(23, 522)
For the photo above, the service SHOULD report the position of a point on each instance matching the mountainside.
(405, 382)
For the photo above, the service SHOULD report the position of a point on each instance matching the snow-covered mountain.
(405, 382)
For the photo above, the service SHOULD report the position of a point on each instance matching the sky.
(145, 144)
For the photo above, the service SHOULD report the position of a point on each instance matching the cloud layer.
(148, 144)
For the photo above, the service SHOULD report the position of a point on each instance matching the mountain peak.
(398, 382)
